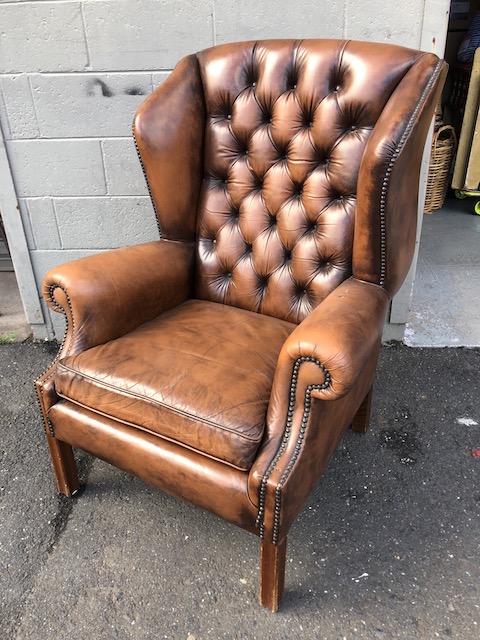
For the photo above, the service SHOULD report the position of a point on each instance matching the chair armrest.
(109, 294)
(330, 356)
(334, 342)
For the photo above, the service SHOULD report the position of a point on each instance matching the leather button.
(229, 117)
(337, 88)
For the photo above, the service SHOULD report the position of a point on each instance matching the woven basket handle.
(452, 136)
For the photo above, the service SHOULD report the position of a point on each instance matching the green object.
(8, 338)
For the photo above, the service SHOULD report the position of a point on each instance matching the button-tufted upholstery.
(224, 362)
(286, 128)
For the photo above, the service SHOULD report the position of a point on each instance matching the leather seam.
(177, 443)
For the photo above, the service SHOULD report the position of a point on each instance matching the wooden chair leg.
(64, 466)
(361, 421)
(272, 573)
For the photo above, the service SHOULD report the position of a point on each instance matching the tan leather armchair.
(224, 362)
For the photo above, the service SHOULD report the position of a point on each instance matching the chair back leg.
(361, 421)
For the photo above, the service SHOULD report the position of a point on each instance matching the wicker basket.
(444, 145)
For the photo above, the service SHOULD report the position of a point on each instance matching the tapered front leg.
(361, 421)
(63, 465)
(272, 573)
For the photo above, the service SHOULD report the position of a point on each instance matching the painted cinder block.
(250, 19)
(122, 168)
(19, 109)
(56, 167)
(42, 36)
(43, 222)
(146, 34)
(43, 260)
(88, 105)
(27, 227)
(59, 324)
(105, 223)
(158, 78)
(4, 124)
(376, 20)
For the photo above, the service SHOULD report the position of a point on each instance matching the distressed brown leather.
(165, 467)
(224, 362)
(107, 295)
(199, 375)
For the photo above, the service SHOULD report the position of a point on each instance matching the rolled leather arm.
(109, 294)
(336, 340)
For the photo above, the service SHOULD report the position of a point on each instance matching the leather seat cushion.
(199, 375)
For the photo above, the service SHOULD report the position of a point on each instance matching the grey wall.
(73, 73)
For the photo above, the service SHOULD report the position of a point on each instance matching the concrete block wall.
(72, 74)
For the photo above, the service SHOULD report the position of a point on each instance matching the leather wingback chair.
(224, 362)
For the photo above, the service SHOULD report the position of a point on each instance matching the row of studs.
(57, 307)
(146, 180)
(388, 172)
(293, 459)
(260, 524)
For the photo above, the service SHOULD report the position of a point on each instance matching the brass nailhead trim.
(388, 172)
(146, 180)
(260, 524)
(60, 309)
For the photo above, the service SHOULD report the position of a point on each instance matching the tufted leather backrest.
(273, 138)
(286, 127)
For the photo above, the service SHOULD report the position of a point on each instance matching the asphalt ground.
(387, 546)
